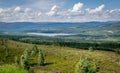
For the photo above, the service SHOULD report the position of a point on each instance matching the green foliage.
(6, 51)
(11, 69)
(91, 49)
(62, 58)
(40, 58)
(26, 54)
(3, 41)
(117, 51)
(86, 66)
(34, 50)
(17, 60)
(25, 59)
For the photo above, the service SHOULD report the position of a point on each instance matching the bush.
(86, 66)
(11, 69)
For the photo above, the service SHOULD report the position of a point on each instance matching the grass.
(11, 69)
(61, 59)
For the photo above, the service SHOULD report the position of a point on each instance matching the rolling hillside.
(61, 59)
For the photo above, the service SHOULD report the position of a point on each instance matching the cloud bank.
(56, 13)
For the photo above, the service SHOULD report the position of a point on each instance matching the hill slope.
(62, 59)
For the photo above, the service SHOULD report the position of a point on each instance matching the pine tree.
(84, 66)
(22, 64)
(40, 58)
(26, 54)
(17, 60)
(34, 50)
(6, 51)
(24, 59)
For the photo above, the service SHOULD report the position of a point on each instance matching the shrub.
(86, 66)
(91, 49)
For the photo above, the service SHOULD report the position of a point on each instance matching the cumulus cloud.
(1, 10)
(27, 9)
(115, 11)
(57, 14)
(97, 9)
(17, 9)
(53, 10)
(77, 7)
(112, 14)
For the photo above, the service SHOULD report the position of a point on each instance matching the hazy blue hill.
(84, 31)
(117, 24)
(30, 26)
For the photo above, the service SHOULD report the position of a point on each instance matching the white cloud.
(58, 14)
(77, 7)
(54, 8)
(39, 13)
(27, 9)
(53, 11)
(114, 11)
(1, 10)
(17, 9)
(97, 9)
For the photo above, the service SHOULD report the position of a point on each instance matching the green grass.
(11, 69)
(62, 59)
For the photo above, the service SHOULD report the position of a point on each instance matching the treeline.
(107, 46)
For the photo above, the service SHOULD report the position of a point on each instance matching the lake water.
(50, 34)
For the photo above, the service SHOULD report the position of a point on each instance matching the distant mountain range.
(31, 26)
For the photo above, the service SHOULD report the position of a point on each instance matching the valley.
(65, 47)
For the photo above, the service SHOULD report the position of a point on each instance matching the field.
(60, 59)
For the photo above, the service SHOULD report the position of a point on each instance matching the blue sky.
(111, 4)
(59, 10)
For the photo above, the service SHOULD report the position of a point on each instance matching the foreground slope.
(61, 59)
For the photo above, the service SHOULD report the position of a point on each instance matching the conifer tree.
(6, 51)
(34, 50)
(40, 58)
(24, 59)
(84, 66)
(17, 60)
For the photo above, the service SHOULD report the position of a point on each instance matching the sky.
(59, 10)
